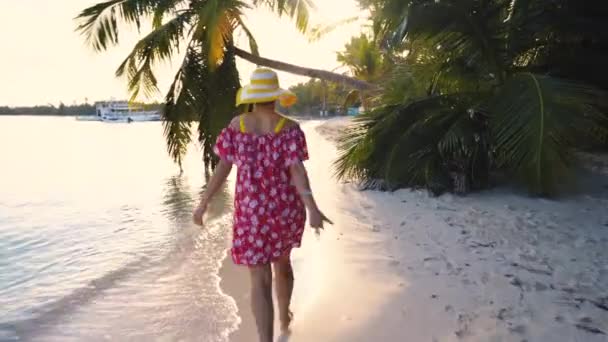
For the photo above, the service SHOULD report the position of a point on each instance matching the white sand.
(491, 266)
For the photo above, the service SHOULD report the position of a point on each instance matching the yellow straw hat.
(264, 87)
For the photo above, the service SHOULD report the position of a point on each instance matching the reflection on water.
(178, 199)
(96, 239)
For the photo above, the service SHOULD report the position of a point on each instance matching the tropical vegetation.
(50, 109)
(480, 87)
(315, 96)
(456, 90)
(201, 33)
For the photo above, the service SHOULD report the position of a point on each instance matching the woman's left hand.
(197, 214)
(317, 218)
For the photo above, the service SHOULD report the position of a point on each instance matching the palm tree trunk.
(298, 70)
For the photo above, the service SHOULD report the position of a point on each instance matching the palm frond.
(200, 93)
(220, 89)
(363, 57)
(415, 144)
(99, 23)
(319, 31)
(164, 8)
(536, 121)
(464, 29)
(180, 107)
(253, 44)
(295, 9)
(389, 19)
(159, 45)
(217, 20)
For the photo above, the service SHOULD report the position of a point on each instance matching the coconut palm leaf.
(464, 29)
(216, 22)
(414, 144)
(220, 87)
(158, 46)
(253, 44)
(99, 23)
(388, 17)
(180, 107)
(537, 120)
(296, 9)
(320, 30)
(200, 93)
(164, 8)
(363, 57)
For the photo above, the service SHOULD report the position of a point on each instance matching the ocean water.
(96, 239)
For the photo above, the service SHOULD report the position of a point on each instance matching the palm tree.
(511, 85)
(205, 85)
(367, 62)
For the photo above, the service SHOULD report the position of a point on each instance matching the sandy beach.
(405, 266)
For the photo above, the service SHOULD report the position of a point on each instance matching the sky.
(44, 61)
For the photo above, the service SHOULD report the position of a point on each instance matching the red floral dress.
(269, 215)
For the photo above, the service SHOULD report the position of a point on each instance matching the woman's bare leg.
(284, 288)
(261, 301)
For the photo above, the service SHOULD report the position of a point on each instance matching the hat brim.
(246, 96)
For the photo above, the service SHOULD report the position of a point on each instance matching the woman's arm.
(217, 179)
(302, 184)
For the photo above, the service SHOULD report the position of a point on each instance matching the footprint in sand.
(394, 263)
(518, 329)
(464, 322)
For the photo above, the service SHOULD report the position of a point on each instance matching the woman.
(271, 197)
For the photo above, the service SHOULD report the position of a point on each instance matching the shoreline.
(234, 282)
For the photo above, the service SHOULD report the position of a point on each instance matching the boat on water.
(121, 111)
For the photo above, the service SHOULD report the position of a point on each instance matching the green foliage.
(536, 122)
(200, 94)
(485, 85)
(205, 85)
(67, 110)
(419, 142)
(367, 62)
(363, 57)
(314, 94)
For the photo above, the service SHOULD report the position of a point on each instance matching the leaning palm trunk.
(303, 71)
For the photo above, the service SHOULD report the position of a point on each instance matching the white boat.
(87, 118)
(121, 111)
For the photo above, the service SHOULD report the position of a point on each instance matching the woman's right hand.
(197, 214)
(317, 218)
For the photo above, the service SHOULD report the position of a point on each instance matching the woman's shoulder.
(235, 122)
(290, 123)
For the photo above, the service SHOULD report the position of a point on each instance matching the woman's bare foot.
(286, 321)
